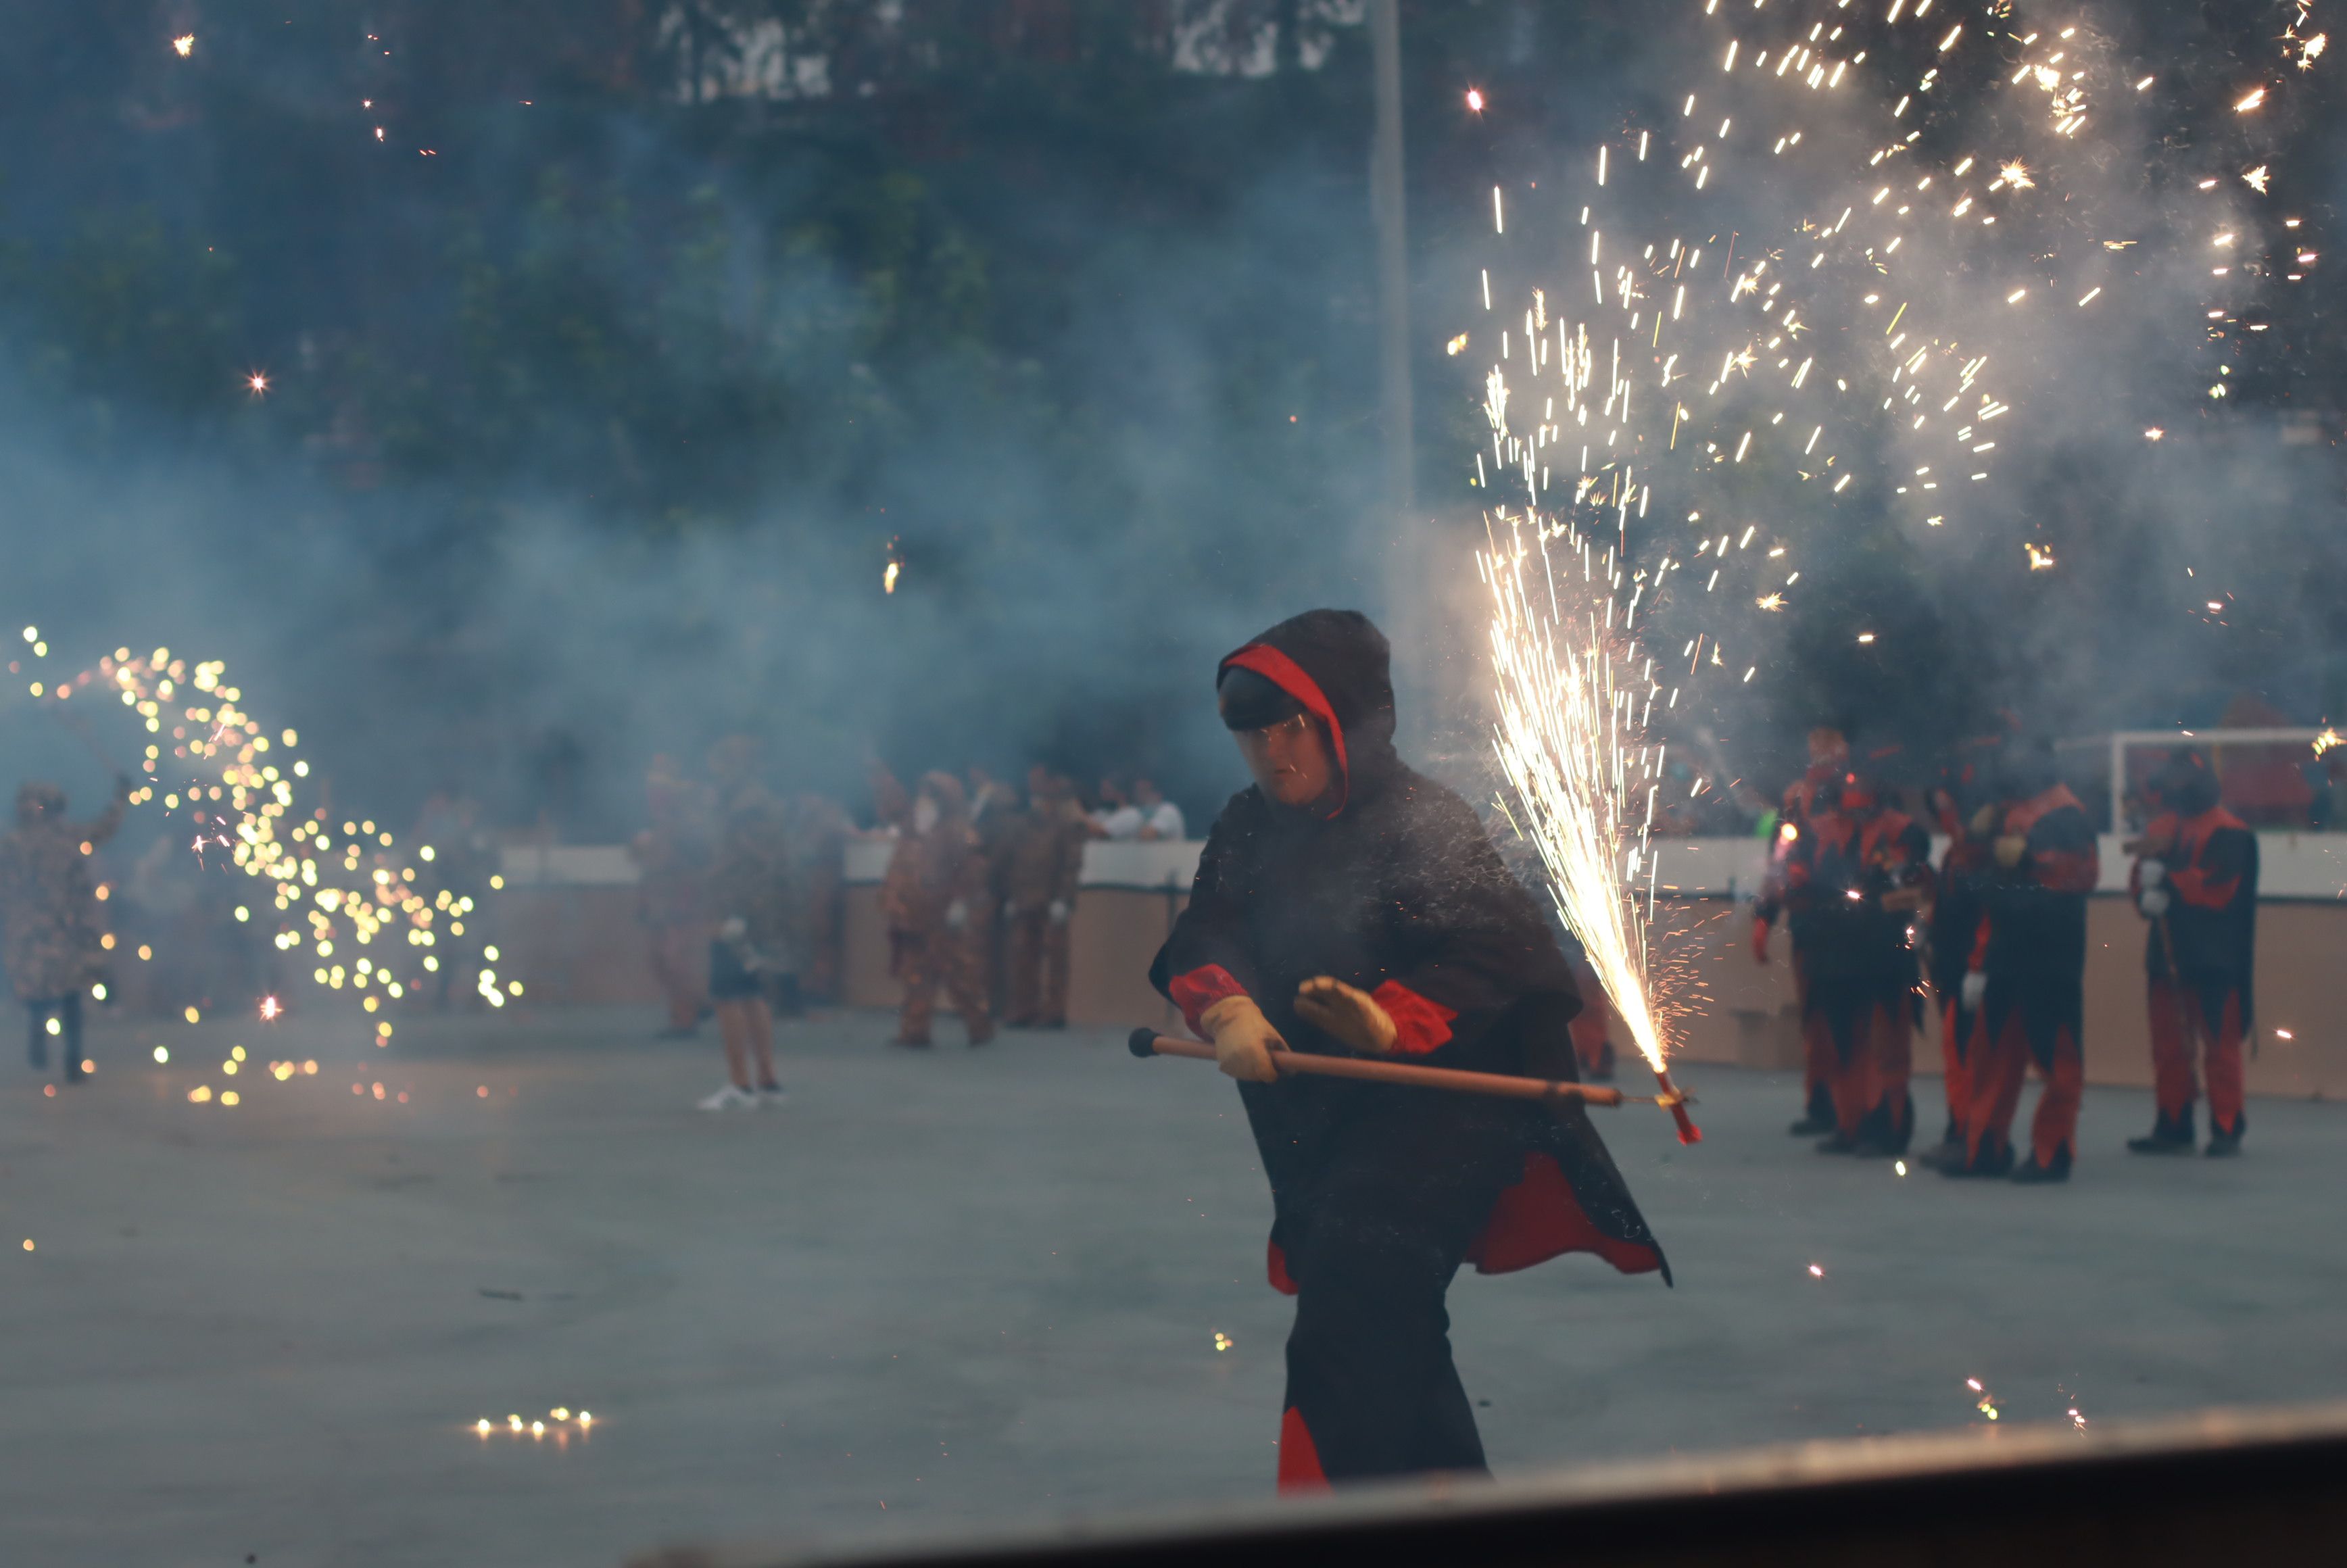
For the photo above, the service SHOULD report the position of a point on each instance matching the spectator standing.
(937, 881)
(51, 939)
(994, 820)
(1161, 819)
(1045, 863)
(751, 902)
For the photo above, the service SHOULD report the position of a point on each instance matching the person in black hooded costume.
(1347, 904)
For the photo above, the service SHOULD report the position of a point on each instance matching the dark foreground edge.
(2210, 1490)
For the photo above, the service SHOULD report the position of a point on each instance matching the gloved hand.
(2153, 902)
(1760, 940)
(1974, 991)
(2151, 873)
(1244, 1040)
(2010, 849)
(1059, 912)
(1348, 1012)
(957, 915)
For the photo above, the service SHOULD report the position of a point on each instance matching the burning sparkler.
(184, 45)
(1573, 704)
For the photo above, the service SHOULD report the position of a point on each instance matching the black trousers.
(66, 1010)
(1371, 1387)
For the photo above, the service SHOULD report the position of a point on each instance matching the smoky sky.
(594, 418)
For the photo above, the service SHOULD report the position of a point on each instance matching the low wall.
(576, 940)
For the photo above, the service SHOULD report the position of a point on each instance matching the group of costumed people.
(2004, 920)
(973, 878)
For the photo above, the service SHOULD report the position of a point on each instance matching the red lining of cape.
(1538, 1218)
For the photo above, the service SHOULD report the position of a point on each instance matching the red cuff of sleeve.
(1200, 989)
(1419, 1024)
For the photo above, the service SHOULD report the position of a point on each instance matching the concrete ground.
(961, 1288)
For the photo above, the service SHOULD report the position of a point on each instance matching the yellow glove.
(1348, 1012)
(2010, 849)
(1244, 1040)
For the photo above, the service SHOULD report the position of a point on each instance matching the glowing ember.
(1474, 100)
(257, 381)
(2041, 557)
(270, 1007)
(185, 45)
(1816, 1272)
(889, 578)
(2325, 741)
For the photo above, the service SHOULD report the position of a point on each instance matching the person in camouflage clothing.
(52, 943)
(936, 886)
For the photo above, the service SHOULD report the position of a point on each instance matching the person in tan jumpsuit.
(936, 884)
(1045, 860)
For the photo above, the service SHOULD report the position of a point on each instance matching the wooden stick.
(1147, 1042)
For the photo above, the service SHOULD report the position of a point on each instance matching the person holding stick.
(1348, 906)
(2195, 883)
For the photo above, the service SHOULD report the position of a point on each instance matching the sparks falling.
(1570, 740)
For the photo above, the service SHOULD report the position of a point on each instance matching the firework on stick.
(1574, 696)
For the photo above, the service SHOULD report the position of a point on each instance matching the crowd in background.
(742, 898)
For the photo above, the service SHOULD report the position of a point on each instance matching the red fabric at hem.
(1275, 1269)
(1299, 1457)
(1538, 1218)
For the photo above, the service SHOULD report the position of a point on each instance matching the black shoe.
(2160, 1142)
(1836, 1144)
(2222, 1145)
(921, 1044)
(1955, 1163)
(2032, 1174)
(1811, 1126)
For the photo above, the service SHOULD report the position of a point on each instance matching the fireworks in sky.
(1807, 302)
(368, 912)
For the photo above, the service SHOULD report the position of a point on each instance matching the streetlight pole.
(1386, 206)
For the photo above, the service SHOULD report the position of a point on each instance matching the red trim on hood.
(1289, 676)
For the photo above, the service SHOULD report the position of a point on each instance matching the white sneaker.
(729, 1098)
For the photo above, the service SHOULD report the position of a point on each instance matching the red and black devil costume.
(1828, 760)
(2031, 954)
(1379, 1192)
(1956, 914)
(2196, 882)
(1855, 881)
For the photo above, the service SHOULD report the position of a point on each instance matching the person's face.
(1110, 794)
(1145, 793)
(1289, 761)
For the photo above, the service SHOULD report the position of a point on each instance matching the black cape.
(1397, 891)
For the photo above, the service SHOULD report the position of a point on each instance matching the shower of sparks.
(2326, 740)
(239, 787)
(1573, 697)
(888, 577)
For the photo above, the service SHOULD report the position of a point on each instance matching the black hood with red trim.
(1337, 664)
